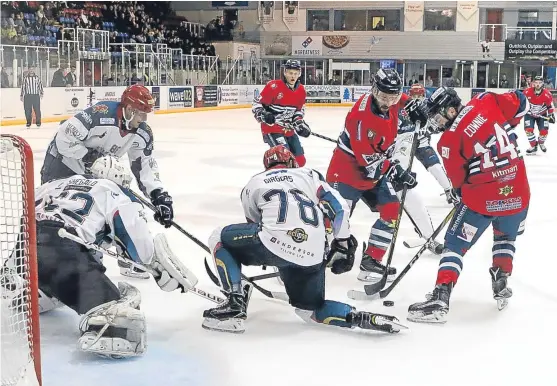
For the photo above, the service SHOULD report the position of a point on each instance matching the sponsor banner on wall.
(205, 96)
(307, 45)
(246, 94)
(228, 95)
(476, 91)
(180, 97)
(108, 93)
(76, 99)
(530, 49)
(156, 92)
(359, 91)
(323, 94)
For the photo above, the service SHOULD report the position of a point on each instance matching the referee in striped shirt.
(31, 94)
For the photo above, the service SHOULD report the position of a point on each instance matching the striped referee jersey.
(32, 85)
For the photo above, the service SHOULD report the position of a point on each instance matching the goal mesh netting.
(19, 339)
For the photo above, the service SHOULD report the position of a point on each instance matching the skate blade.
(437, 317)
(133, 274)
(372, 277)
(502, 304)
(397, 326)
(233, 326)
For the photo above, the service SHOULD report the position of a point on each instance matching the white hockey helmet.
(111, 169)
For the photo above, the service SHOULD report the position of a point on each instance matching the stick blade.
(360, 295)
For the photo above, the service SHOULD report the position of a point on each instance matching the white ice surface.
(205, 159)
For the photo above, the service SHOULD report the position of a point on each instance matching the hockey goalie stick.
(377, 286)
(380, 294)
(212, 276)
(186, 273)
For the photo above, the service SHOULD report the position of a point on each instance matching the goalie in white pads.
(99, 211)
(284, 207)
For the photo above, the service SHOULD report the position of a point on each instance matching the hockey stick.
(323, 137)
(212, 276)
(377, 286)
(380, 294)
(188, 275)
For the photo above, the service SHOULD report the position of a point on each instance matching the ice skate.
(129, 270)
(434, 309)
(228, 317)
(501, 292)
(533, 150)
(376, 322)
(543, 148)
(372, 270)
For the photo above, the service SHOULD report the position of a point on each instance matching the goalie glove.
(341, 256)
(169, 272)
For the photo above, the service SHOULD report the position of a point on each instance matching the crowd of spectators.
(44, 23)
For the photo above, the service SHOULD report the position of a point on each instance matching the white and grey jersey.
(100, 212)
(290, 204)
(99, 127)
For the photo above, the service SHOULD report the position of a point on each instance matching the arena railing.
(502, 32)
(17, 59)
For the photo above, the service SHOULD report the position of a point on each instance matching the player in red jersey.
(480, 153)
(541, 114)
(280, 110)
(361, 162)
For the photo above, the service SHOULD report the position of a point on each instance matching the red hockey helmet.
(417, 91)
(139, 98)
(279, 155)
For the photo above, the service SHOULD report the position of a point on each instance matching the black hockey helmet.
(538, 77)
(292, 64)
(387, 81)
(438, 105)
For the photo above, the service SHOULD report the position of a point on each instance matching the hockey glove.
(452, 196)
(342, 253)
(417, 111)
(552, 118)
(265, 117)
(90, 158)
(400, 177)
(163, 205)
(301, 127)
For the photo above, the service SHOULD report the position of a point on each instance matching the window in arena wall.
(440, 19)
(527, 16)
(383, 20)
(350, 20)
(317, 20)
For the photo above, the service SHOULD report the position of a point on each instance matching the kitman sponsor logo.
(504, 172)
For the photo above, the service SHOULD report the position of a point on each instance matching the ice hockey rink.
(205, 159)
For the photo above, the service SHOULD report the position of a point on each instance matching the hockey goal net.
(19, 339)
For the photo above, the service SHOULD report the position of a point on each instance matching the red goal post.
(20, 333)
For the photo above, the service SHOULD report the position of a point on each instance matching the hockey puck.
(388, 303)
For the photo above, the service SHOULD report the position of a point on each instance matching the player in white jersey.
(428, 157)
(98, 211)
(284, 208)
(116, 129)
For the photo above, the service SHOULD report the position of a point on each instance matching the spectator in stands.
(428, 81)
(493, 83)
(71, 77)
(59, 77)
(548, 83)
(504, 83)
(88, 78)
(4, 79)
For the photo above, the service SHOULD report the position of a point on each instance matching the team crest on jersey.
(273, 85)
(279, 96)
(298, 235)
(100, 108)
(505, 191)
(370, 134)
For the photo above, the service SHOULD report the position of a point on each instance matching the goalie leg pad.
(48, 303)
(116, 329)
